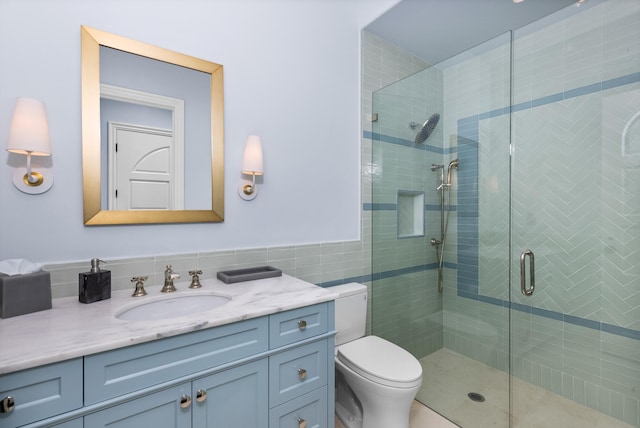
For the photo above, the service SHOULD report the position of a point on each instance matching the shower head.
(427, 128)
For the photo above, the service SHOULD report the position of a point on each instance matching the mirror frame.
(91, 40)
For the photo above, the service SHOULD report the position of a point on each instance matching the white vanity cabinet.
(269, 372)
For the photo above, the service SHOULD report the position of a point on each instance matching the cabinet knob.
(302, 423)
(302, 374)
(302, 325)
(7, 404)
(185, 401)
(201, 395)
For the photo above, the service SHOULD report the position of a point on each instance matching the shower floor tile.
(448, 377)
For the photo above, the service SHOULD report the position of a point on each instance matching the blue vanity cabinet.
(275, 371)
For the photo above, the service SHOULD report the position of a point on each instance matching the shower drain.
(476, 397)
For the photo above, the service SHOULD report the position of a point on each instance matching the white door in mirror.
(143, 170)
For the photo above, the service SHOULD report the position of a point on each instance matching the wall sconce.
(29, 135)
(251, 165)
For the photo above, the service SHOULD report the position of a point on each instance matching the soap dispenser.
(94, 285)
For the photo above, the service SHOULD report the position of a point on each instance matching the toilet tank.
(351, 311)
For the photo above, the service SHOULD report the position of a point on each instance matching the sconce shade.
(252, 161)
(29, 132)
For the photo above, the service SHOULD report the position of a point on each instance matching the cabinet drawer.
(42, 392)
(297, 324)
(113, 373)
(308, 411)
(297, 371)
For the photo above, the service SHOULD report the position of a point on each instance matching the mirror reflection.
(152, 133)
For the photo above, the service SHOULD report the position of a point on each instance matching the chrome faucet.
(169, 276)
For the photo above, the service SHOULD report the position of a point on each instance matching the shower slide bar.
(523, 274)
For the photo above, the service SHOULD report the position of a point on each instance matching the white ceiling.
(435, 30)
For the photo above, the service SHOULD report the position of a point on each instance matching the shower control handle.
(523, 274)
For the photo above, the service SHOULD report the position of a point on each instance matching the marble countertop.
(72, 329)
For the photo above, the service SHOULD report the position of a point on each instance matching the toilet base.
(348, 407)
(381, 406)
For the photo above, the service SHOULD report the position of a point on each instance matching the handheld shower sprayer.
(443, 188)
(453, 164)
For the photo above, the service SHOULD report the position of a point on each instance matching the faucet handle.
(140, 291)
(195, 278)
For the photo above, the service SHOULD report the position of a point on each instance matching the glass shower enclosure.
(538, 319)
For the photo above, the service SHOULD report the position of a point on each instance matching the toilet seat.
(381, 361)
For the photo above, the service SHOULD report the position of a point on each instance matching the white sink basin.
(172, 307)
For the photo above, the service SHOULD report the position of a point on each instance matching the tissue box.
(23, 294)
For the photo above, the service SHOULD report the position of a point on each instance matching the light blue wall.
(287, 78)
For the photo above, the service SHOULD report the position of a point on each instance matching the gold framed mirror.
(185, 170)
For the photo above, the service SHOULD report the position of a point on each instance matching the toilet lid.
(381, 361)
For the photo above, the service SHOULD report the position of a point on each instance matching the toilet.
(376, 380)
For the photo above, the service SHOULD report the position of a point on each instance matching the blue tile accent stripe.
(381, 206)
(384, 275)
(401, 142)
(558, 316)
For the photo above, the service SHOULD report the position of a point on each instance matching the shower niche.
(410, 208)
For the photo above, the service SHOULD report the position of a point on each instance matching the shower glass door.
(460, 335)
(540, 310)
(575, 258)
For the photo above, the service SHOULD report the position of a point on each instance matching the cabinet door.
(158, 410)
(41, 392)
(233, 398)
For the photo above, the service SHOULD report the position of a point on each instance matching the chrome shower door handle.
(523, 274)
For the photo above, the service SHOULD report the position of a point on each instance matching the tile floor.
(421, 417)
(450, 376)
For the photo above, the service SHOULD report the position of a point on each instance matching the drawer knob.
(302, 423)
(7, 404)
(302, 374)
(185, 401)
(302, 325)
(201, 395)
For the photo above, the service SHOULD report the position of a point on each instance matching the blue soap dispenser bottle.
(94, 285)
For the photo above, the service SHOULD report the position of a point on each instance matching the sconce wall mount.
(29, 135)
(252, 164)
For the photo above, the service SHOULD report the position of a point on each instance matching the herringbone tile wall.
(575, 196)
